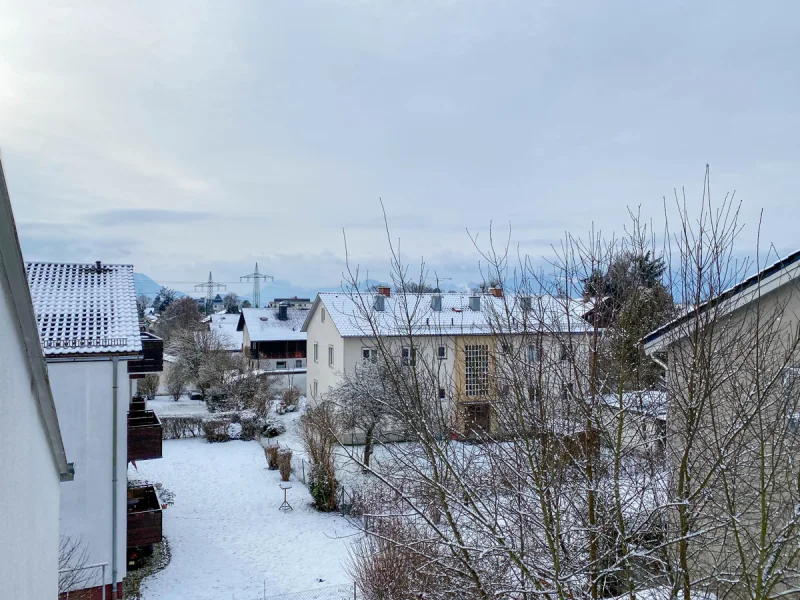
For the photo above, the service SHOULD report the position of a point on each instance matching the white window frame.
(315, 389)
(534, 355)
(322, 315)
(298, 363)
(331, 356)
(369, 355)
(476, 370)
(441, 353)
(316, 352)
(278, 366)
(408, 356)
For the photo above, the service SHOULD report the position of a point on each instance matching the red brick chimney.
(496, 292)
(385, 290)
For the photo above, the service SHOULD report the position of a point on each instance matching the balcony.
(152, 360)
(144, 435)
(144, 516)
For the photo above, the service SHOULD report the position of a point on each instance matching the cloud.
(149, 216)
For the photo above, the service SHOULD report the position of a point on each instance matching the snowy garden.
(227, 537)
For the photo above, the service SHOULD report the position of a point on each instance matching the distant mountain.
(146, 286)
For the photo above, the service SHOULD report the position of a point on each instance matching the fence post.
(303, 464)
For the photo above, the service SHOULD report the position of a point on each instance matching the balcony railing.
(144, 516)
(144, 435)
(152, 360)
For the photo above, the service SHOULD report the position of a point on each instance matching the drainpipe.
(114, 411)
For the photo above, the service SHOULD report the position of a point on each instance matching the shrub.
(271, 453)
(251, 427)
(216, 430)
(175, 427)
(322, 486)
(285, 463)
(272, 429)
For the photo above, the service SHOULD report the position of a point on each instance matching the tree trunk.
(367, 446)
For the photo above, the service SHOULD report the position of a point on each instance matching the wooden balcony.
(144, 516)
(152, 360)
(144, 435)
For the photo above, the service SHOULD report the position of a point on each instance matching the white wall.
(29, 475)
(83, 397)
(324, 334)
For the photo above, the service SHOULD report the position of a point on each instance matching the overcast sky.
(185, 137)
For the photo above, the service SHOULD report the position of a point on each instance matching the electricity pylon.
(209, 287)
(256, 278)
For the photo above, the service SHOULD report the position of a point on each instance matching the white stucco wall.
(29, 500)
(323, 333)
(83, 397)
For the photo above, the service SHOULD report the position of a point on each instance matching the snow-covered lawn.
(228, 538)
(165, 405)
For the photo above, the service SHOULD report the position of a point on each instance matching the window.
(441, 352)
(408, 356)
(567, 391)
(476, 365)
(533, 353)
(281, 364)
(564, 352)
(322, 315)
(315, 389)
(298, 364)
(534, 394)
(316, 352)
(330, 356)
(369, 355)
(442, 394)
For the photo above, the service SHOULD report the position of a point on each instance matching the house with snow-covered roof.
(227, 326)
(274, 342)
(467, 338)
(89, 333)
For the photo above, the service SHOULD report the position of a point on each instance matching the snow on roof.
(233, 338)
(263, 324)
(85, 308)
(646, 402)
(456, 317)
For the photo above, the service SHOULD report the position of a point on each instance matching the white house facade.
(33, 460)
(89, 331)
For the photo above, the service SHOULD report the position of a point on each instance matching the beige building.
(732, 432)
(465, 341)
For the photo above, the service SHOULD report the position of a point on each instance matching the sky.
(187, 136)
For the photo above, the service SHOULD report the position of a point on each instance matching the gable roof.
(775, 275)
(227, 326)
(455, 317)
(263, 324)
(85, 308)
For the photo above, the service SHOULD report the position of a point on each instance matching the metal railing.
(78, 593)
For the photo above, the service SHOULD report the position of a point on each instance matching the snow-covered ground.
(165, 405)
(227, 537)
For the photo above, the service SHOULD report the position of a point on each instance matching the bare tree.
(73, 576)
(558, 500)
(361, 399)
(231, 303)
(201, 356)
(142, 304)
(148, 386)
(181, 315)
(176, 381)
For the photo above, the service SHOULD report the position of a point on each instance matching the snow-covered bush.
(251, 426)
(290, 399)
(216, 430)
(272, 428)
(322, 485)
(317, 428)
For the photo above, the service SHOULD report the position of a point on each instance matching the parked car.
(195, 395)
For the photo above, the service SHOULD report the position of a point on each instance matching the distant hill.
(148, 287)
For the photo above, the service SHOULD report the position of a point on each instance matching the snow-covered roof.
(263, 324)
(413, 313)
(85, 308)
(646, 402)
